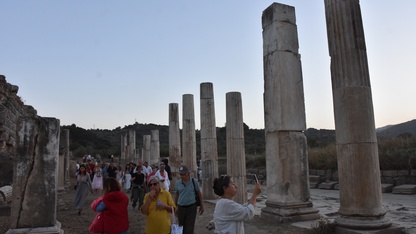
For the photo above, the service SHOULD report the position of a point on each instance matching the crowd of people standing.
(148, 188)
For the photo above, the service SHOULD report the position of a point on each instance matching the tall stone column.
(188, 134)
(286, 148)
(154, 147)
(123, 148)
(175, 159)
(34, 191)
(147, 149)
(64, 142)
(209, 151)
(361, 206)
(132, 146)
(61, 165)
(236, 156)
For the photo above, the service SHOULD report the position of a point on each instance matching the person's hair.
(220, 183)
(155, 178)
(85, 171)
(166, 161)
(110, 185)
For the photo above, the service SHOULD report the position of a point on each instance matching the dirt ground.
(72, 223)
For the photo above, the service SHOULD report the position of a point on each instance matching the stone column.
(123, 147)
(132, 146)
(61, 165)
(147, 150)
(188, 134)
(175, 159)
(361, 205)
(236, 156)
(209, 152)
(286, 148)
(34, 191)
(65, 143)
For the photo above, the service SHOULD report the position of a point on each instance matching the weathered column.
(236, 156)
(65, 143)
(132, 146)
(154, 147)
(123, 148)
(61, 166)
(361, 205)
(147, 149)
(286, 148)
(175, 159)
(188, 134)
(209, 152)
(35, 177)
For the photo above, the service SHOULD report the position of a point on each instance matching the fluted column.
(361, 205)
(236, 156)
(209, 151)
(147, 150)
(188, 134)
(175, 159)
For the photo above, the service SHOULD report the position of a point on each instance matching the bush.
(323, 158)
(322, 227)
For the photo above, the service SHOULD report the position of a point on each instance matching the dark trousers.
(137, 194)
(186, 218)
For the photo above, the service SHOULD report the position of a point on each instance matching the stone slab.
(405, 189)
(393, 229)
(387, 188)
(327, 185)
(39, 230)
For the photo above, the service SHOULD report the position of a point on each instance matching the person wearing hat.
(158, 204)
(186, 190)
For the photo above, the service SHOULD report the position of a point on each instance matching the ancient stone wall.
(11, 108)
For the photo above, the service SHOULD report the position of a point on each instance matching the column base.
(393, 229)
(39, 230)
(288, 214)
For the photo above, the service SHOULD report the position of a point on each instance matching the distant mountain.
(398, 129)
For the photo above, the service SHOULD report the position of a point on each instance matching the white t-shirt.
(229, 216)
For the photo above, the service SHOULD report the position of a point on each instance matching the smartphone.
(255, 177)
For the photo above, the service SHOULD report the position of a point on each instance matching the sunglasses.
(153, 184)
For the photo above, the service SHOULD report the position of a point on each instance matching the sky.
(102, 64)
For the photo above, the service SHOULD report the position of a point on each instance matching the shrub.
(323, 158)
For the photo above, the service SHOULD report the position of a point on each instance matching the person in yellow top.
(157, 206)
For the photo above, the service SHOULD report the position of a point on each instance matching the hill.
(390, 131)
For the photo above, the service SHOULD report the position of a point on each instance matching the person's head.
(139, 169)
(166, 161)
(184, 173)
(140, 163)
(162, 166)
(146, 164)
(224, 186)
(82, 169)
(154, 169)
(110, 185)
(154, 183)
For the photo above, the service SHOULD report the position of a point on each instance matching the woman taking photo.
(158, 204)
(228, 214)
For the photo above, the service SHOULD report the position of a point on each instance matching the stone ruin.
(29, 146)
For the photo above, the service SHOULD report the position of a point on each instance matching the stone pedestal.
(188, 134)
(236, 157)
(175, 159)
(285, 123)
(209, 151)
(34, 191)
(361, 206)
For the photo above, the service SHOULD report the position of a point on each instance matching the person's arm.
(100, 207)
(256, 192)
(201, 207)
(145, 207)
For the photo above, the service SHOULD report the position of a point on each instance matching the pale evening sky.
(104, 64)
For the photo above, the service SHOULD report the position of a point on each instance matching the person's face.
(154, 185)
(162, 168)
(146, 164)
(82, 168)
(184, 176)
(139, 169)
(231, 189)
(154, 169)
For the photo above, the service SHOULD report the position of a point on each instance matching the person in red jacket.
(113, 216)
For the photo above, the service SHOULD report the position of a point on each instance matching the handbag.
(198, 201)
(174, 228)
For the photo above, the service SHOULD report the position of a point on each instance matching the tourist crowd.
(149, 190)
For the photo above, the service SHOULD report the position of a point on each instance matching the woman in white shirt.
(229, 216)
(163, 176)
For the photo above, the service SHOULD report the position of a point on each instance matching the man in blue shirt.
(186, 190)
